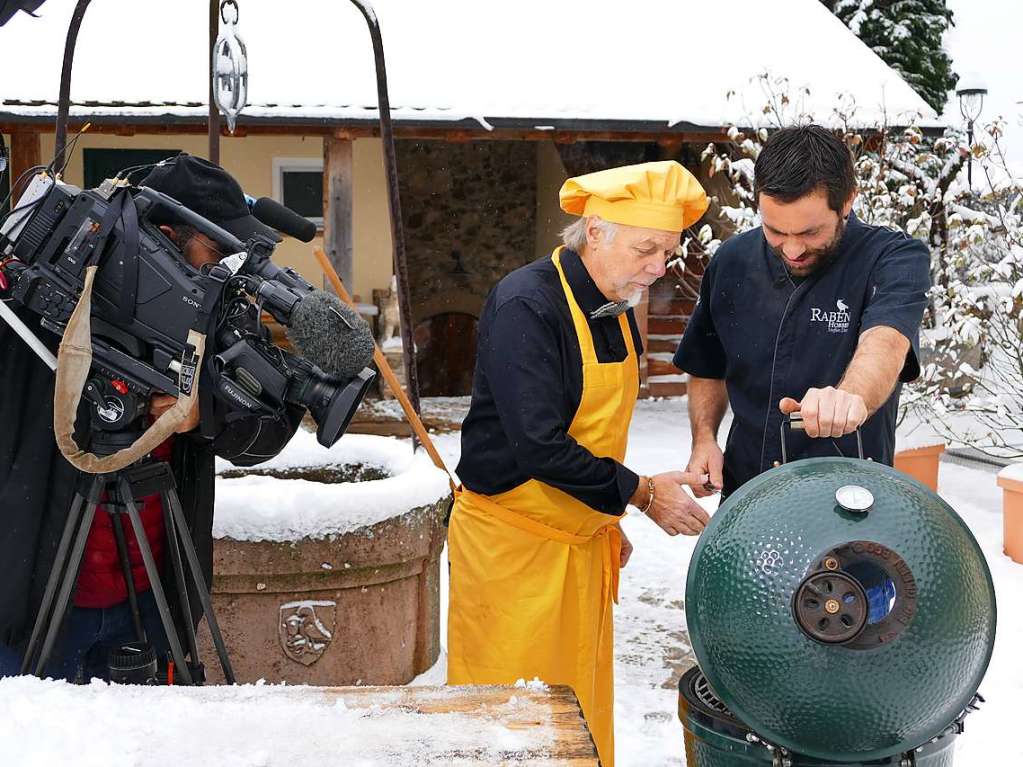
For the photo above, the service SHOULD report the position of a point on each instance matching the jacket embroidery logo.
(838, 321)
(305, 629)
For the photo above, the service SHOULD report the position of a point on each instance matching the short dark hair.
(795, 162)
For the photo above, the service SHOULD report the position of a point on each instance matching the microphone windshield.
(329, 334)
(273, 214)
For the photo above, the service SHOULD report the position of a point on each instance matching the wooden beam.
(25, 152)
(337, 205)
(454, 133)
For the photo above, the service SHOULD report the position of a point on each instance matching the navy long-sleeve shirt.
(769, 336)
(528, 386)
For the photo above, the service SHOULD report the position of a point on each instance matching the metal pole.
(969, 157)
(397, 226)
(213, 123)
(64, 99)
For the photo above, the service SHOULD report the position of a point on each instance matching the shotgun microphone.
(284, 220)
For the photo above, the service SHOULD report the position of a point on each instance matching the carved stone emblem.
(305, 629)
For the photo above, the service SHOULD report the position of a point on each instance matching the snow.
(52, 723)
(460, 60)
(984, 45)
(912, 434)
(651, 646)
(46, 723)
(262, 508)
(1013, 472)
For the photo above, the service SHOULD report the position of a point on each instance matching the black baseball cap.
(210, 191)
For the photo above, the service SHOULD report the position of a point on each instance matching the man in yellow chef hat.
(534, 543)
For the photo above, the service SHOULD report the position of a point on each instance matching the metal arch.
(390, 167)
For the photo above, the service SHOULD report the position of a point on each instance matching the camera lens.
(132, 663)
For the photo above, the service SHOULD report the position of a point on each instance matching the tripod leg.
(154, 580)
(129, 579)
(56, 572)
(179, 576)
(200, 585)
(56, 618)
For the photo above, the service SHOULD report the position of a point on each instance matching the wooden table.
(46, 722)
(549, 719)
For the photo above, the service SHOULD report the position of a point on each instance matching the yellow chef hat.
(655, 195)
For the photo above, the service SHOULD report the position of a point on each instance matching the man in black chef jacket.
(813, 311)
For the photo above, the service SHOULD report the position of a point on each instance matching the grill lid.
(841, 633)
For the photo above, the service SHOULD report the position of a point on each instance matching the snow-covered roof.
(527, 64)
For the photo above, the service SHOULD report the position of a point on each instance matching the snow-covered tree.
(907, 35)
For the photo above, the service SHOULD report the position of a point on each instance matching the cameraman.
(37, 483)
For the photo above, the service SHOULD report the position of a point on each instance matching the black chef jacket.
(528, 385)
(770, 335)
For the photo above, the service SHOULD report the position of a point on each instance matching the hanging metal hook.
(223, 6)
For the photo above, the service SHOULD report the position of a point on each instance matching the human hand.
(828, 412)
(626, 549)
(707, 458)
(673, 509)
(161, 403)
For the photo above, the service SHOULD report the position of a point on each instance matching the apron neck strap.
(582, 325)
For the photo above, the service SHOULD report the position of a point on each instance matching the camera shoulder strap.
(74, 361)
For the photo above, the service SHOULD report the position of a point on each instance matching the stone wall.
(469, 211)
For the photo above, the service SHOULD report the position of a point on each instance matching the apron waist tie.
(610, 533)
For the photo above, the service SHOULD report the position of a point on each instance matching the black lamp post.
(971, 102)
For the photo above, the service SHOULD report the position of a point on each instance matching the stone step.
(665, 345)
(658, 366)
(667, 325)
(666, 389)
(670, 305)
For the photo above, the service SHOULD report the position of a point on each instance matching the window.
(101, 164)
(298, 184)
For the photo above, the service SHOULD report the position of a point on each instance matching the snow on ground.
(55, 724)
(651, 647)
(651, 651)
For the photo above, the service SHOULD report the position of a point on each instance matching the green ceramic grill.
(841, 613)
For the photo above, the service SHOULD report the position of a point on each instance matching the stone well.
(327, 564)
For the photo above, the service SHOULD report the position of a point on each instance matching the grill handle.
(795, 422)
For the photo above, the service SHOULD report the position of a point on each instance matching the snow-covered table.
(51, 723)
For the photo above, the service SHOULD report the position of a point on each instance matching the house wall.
(250, 160)
(468, 210)
(550, 220)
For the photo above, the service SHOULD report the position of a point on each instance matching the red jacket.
(100, 581)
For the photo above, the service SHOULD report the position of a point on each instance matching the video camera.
(147, 298)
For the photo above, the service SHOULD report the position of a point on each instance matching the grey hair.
(574, 235)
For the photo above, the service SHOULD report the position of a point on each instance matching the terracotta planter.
(1012, 512)
(921, 463)
(358, 608)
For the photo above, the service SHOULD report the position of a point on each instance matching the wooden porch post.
(25, 152)
(337, 201)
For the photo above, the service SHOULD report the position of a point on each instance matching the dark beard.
(819, 259)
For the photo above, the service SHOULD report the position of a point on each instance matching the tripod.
(144, 477)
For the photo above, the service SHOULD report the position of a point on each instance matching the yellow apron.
(534, 571)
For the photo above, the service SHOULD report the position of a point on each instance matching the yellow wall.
(250, 160)
(550, 220)
(371, 220)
